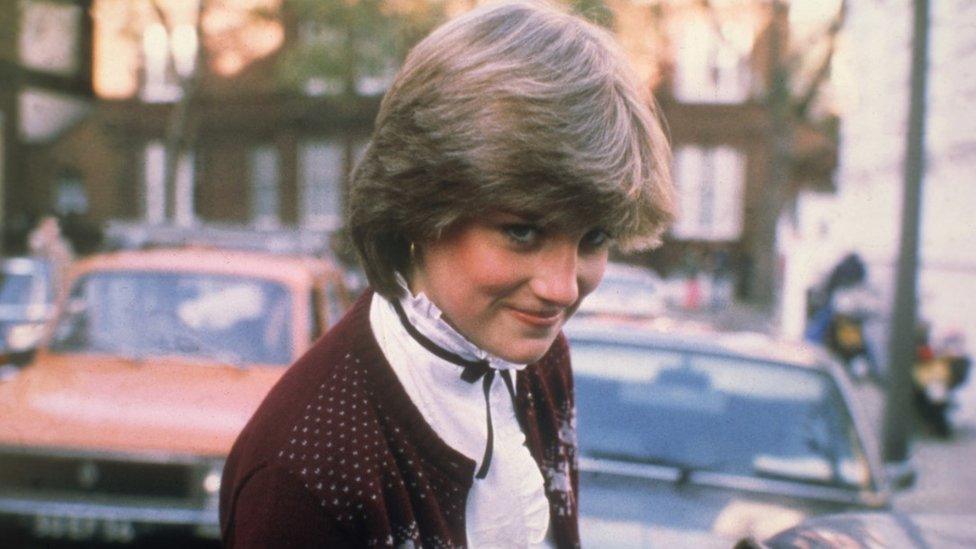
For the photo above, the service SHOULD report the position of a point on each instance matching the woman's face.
(509, 285)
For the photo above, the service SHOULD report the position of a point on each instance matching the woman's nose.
(556, 276)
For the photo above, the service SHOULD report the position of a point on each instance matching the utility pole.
(767, 286)
(901, 343)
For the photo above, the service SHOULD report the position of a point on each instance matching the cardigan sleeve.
(272, 508)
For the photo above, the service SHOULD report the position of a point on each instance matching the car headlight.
(24, 336)
(210, 484)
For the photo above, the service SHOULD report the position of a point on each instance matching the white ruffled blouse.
(508, 508)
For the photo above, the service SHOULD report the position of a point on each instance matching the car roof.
(286, 268)
(689, 337)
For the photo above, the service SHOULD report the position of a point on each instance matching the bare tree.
(796, 79)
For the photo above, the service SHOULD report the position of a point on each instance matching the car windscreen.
(717, 413)
(141, 314)
(629, 296)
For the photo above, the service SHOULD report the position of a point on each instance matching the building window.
(711, 190)
(50, 37)
(167, 57)
(319, 40)
(154, 183)
(264, 187)
(184, 210)
(154, 179)
(712, 64)
(321, 172)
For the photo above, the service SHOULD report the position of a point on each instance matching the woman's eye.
(522, 234)
(595, 238)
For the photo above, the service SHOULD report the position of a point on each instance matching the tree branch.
(806, 98)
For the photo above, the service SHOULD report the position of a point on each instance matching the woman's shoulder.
(331, 380)
(317, 436)
(342, 353)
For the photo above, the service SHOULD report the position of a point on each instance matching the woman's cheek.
(496, 270)
(591, 272)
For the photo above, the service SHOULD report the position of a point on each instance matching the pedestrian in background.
(47, 242)
(512, 150)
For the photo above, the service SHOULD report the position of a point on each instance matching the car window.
(718, 413)
(139, 314)
(15, 289)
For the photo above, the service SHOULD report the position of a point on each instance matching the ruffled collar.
(428, 319)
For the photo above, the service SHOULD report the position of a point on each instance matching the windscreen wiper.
(684, 469)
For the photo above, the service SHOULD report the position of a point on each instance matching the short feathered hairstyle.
(517, 107)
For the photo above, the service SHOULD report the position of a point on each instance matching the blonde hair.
(516, 107)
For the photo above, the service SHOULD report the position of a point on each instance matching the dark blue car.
(701, 439)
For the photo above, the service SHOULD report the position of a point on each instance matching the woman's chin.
(524, 352)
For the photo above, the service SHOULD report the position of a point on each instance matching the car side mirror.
(900, 474)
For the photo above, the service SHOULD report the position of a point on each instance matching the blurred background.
(790, 123)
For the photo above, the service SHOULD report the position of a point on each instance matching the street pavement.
(945, 468)
(942, 501)
(946, 476)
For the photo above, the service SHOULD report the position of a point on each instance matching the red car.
(153, 364)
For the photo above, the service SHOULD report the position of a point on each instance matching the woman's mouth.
(536, 318)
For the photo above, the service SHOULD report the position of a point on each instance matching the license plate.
(82, 528)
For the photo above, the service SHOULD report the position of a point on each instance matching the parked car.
(156, 360)
(698, 439)
(27, 297)
(626, 291)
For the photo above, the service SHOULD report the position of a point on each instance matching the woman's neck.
(430, 321)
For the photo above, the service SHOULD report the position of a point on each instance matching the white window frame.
(154, 186)
(710, 68)
(154, 182)
(320, 183)
(711, 187)
(265, 181)
(160, 84)
(184, 209)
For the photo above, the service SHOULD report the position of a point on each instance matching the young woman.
(512, 150)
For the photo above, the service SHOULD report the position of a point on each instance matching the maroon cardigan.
(337, 455)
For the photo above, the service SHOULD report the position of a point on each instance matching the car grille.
(55, 474)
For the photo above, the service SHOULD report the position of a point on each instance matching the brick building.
(45, 88)
(264, 157)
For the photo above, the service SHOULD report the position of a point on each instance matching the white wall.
(864, 216)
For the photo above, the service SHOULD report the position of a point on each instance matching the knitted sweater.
(337, 455)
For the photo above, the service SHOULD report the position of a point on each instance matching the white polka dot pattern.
(344, 448)
(369, 469)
